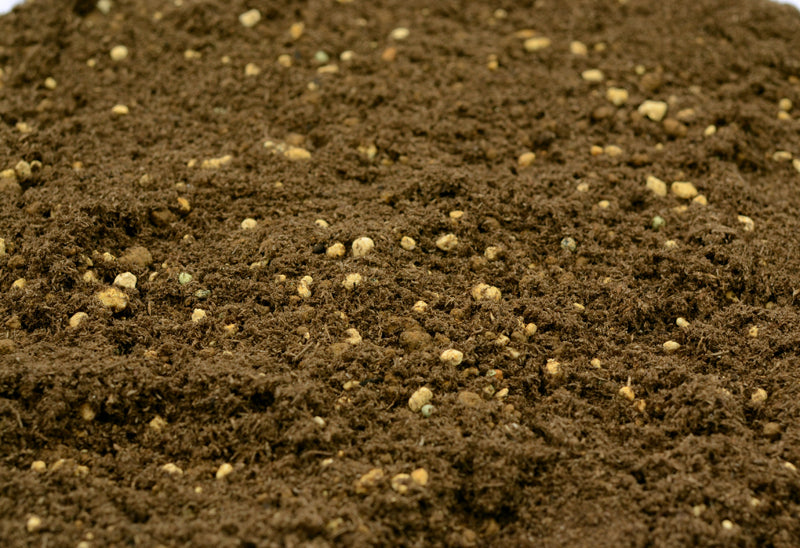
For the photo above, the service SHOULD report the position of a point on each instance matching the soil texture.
(188, 358)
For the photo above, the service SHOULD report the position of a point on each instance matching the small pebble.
(336, 251)
(670, 244)
(526, 159)
(250, 18)
(682, 323)
(596, 363)
(39, 466)
(684, 190)
(319, 421)
(304, 289)
(285, 60)
(553, 368)
(400, 483)
(420, 398)
(656, 186)
(77, 319)
(351, 281)
(530, 329)
(420, 476)
(782, 156)
(569, 244)
(671, 346)
(400, 33)
(126, 280)
(19, 283)
(753, 332)
(296, 30)
(612, 150)
(578, 48)
(710, 130)
(113, 299)
(727, 524)
(655, 110)
(120, 110)
(447, 242)
(759, 396)
(157, 424)
(408, 243)
(452, 357)
(537, 43)
(118, 53)
(362, 246)
(198, 315)
(172, 469)
(184, 278)
(322, 223)
(427, 410)
(216, 163)
(617, 96)
(627, 393)
(785, 104)
(486, 292)
(33, 524)
(796, 164)
(321, 57)
(224, 470)
(593, 75)
(297, 154)
(369, 481)
(249, 224)
(251, 69)
(700, 200)
(747, 223)
(2, 247)
(353, 337)
(420, 307)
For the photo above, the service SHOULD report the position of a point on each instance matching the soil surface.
(224, 400)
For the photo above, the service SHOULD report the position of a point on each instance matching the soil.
(404, 133)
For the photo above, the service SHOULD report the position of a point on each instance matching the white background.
(6, 5)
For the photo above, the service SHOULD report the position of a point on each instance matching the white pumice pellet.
(362, 246)
(118, 53)
(683, 189)
(759, 396)
(249, 224)
(77, 319)
(656, 186)
(655, 110)
(198, 315)
(617, 96)
(250, 18)
(451, 356)
(682, 323)
(418, 399)
(671, 346)
(126, 280)
(526, 159)
(400, 33)
(224, 470)
(336, 251)
(33, 524)
(353, 337)
(447, 242)
(578, 48)
(408, 243)
(351, 281)
(420, 307)
(748, 225)
(39, 466)
(172, 469)
(593, 76)
(537, 43)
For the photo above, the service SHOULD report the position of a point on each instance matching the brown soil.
(565, 459)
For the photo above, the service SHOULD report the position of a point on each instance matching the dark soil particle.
(316, 424)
